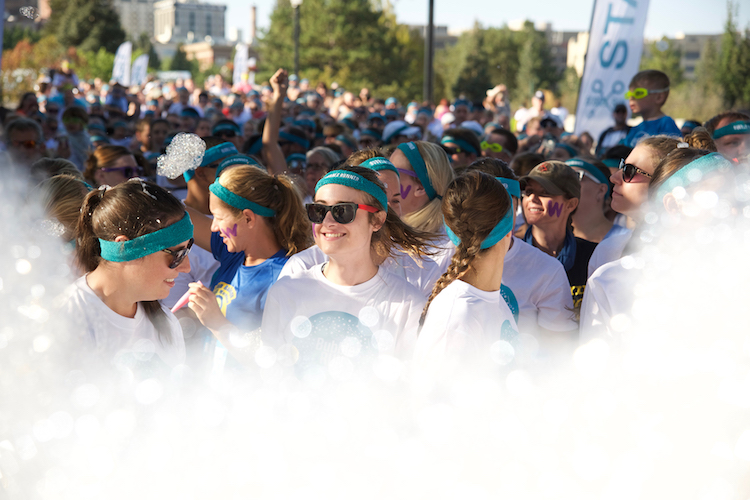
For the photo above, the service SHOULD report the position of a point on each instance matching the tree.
(734, 63)
(535, 70)
(664, 56)
(707, 69)
(96, 64)
(352, 42)
(474, 77)
(180, 62)
(85, 24)
(12, 34)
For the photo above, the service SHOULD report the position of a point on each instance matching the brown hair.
(357, 157)
(466, 135)
(75, 112)
(490, 166)
(733, 116)
(394, 233)
(524, 163)
(62, 197)
(290, 224)
(700, 144)
(472, 206)
(102, 157)
(131, 209)
(654, 77)
(48, 167)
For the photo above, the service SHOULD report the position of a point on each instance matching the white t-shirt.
(462, 323)
(423, 278)
(609, 292)
(609, 250)
(116, 336)
(541, 287)
(202, 268)
(317, 316)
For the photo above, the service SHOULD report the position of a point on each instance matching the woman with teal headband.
(132, 241)
(465, 316)
(258, 223)
(350, 295)
(610, 290)
(731, 132)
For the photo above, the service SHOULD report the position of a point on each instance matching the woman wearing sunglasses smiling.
(631, 187)
(111, 165)
(349, 304)
(132, 241)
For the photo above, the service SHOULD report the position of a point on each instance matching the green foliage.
(664, 56)
(733, 73)
(180, 62)
(352, 42)
(96, 64)
(12, 34)
(482, 58)
(87, 25)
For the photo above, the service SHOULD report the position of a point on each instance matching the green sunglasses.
(492, 146)
(640, 92)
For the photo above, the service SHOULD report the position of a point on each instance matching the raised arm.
(201, 228)
(273, 156)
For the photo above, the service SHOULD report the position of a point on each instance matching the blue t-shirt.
(664, 125)
(241, 290)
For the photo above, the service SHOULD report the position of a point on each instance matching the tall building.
(136, 16)
(188, 21)
(690, 47)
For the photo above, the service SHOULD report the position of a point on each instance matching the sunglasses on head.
(640, 92)
(629, 170)
(179, 255)
(343, 213)
(228, 134)
(492, 146)
(128, 172)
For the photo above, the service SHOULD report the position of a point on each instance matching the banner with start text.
(612, 59)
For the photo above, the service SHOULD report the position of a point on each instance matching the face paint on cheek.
(554, 207)
(404, 192)
(229, 232)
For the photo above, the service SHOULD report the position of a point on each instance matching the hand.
(203, 303)
(280, 82)
(63, 148)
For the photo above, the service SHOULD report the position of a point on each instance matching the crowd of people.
(327, 229)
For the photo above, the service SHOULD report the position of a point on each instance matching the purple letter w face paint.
(229, 232)
(554, 207)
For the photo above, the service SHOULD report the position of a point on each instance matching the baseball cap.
(400, 127)
(556, 178)
(539, 94)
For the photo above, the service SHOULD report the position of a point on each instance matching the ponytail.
(88, 251)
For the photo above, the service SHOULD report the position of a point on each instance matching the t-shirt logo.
(225, 294)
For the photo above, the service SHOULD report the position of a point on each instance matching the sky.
(665, 17)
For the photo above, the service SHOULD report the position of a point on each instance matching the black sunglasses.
(452, 151)
(343, 213)
(228, 134)
(179, 255)
(629, 170)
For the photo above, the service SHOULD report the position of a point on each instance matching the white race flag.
(240, 63)
(121, 69)
(612, 59)
(139, 70)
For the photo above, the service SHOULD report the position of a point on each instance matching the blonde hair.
(290, 224)
(429, 218)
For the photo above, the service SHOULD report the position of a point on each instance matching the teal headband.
(237, 159)
(567, 147)
(379, 163)
(238, 201)
(611, 162)
(212, 155)
(512, 186)
(733, 128)
(693, 172)
(591, 169)
(498, 232)
(123, 251)
(412, 154)
(286, 136)
(355, 181)
(461, 143)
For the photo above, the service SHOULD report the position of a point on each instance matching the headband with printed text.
(355, 181)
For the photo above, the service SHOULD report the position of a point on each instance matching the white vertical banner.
(251, 67)
(121, 68)
(139, 70)
(612, 59)
(240, 64)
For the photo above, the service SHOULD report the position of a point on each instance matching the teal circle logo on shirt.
(337, 342)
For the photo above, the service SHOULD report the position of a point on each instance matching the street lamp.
(429, 47)
(295, 6)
